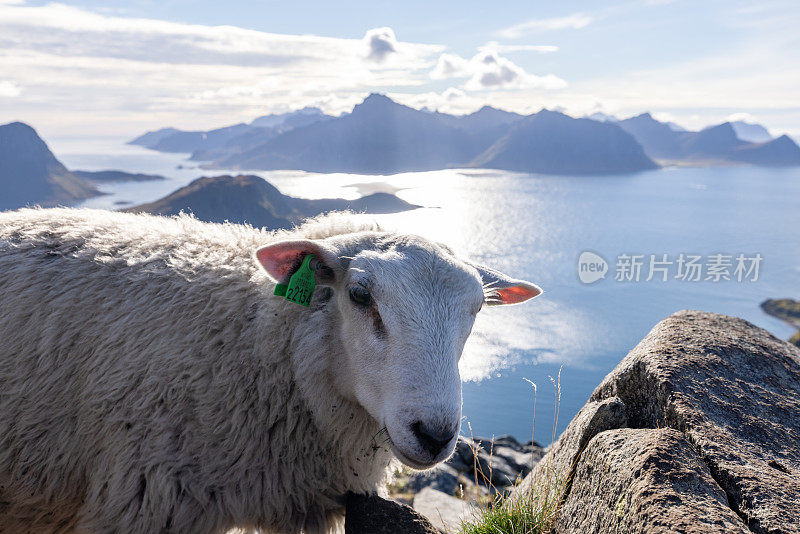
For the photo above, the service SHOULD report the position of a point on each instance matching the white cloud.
(664, 116)
(505, 49)
(68, 69)
(453, 93)
(76, 32)
(706, 90)
(87, 68)
(450, 66)
(380, 43)
(451, 100)
(496, 72)
(575, 21)
(488, 70)
(492, 71)
(744, 117)
(9, 89)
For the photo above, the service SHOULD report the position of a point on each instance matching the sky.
(115, 69)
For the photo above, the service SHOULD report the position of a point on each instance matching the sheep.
(150, 381)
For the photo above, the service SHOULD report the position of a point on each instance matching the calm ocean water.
(535, 227)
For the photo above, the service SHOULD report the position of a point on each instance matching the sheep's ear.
(499, 289)
(280, 260)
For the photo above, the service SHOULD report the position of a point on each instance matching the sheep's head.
(404, 307)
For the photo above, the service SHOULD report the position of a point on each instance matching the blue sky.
(117, 68)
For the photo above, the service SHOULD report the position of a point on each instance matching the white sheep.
(150, 381)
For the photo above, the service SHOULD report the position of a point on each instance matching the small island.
(788, 311)
(253, 200)
(116, 176)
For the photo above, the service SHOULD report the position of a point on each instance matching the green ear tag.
(301, 284)
(280, 290)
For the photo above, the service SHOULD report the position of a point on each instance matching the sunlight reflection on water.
(486, 229)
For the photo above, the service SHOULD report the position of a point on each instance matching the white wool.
(146, 382)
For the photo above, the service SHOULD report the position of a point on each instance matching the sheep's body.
(150, 382)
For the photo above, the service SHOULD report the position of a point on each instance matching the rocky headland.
(788, 311)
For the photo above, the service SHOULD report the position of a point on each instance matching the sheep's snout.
(433, 438)
(422, 442)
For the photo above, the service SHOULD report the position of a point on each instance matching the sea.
(614, 255)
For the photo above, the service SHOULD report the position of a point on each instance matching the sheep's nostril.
(433, 440)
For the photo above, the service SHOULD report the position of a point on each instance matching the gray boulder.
(556, 468)
(730, 392)
(500, 461)
(645, 481)
(444, 511)
(442, 478)
(370, 514)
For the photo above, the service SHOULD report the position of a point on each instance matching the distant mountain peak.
(487, 116)
(714, 141)
(378, 97)
(153, 138)
(751, 132)
(376, 101)
(721, 127)
(552, 142)
(278, 119)
(544, 112)
(24, 133)
(31, 174)
(309, 110)
(724, 130)
(783, 140)
(490, 110)
(21, 126)
(599, 116)
(493, 110)
(780, 152)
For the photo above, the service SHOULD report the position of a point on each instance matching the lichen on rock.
(725, 396)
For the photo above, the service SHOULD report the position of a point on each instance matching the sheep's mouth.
(410, 462)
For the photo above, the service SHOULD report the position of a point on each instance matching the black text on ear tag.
(300, 288)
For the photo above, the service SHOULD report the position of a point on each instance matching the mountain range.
(378, 137)
(381, 136)
(550, 142)
(31, 175)
(720, 144)
(251, 199)
(223, 142)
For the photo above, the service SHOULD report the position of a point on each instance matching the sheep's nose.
(433, 440)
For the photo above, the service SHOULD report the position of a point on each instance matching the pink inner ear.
(278, 261)
(517, 294)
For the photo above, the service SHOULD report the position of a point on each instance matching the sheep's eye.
(360, 296)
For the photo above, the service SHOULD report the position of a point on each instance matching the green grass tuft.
(795, 339)
(523, 512)
(529, 508)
